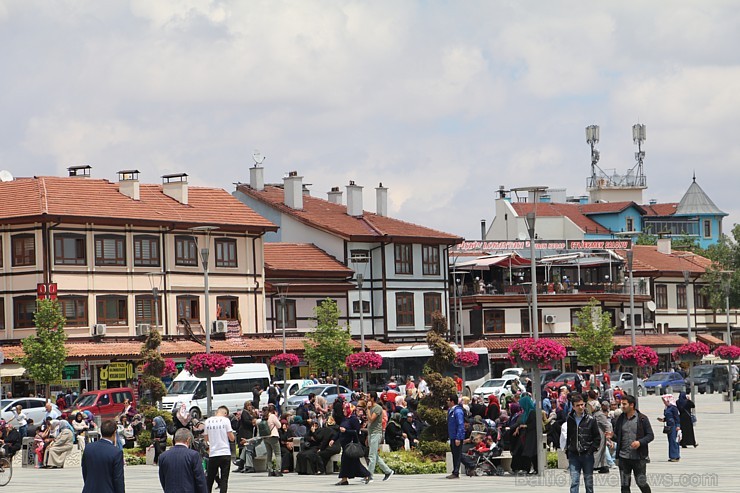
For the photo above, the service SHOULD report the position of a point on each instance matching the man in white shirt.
(51, 412)
(218, 433)
(423, 387)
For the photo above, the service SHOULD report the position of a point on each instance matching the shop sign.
(71, 372)
(118, 371)
(99, 362)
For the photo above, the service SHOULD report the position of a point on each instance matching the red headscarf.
(347, 409)
(492, 401)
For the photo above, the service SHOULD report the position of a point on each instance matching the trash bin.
(28, 452)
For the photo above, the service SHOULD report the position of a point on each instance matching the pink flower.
(466, 359)
(212, 362)
(695, 349)
(643, 355)
(541, 351)
(368, 360)
(729, 353)
(285, 359)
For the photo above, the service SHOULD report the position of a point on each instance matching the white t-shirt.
(20, 418)
(217, 429)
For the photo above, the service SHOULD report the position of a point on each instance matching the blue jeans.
(674, 448)
(578, 463)
(373, 457)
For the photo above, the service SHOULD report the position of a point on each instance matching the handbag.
(667, 429)
(693, 418)
(354, 450)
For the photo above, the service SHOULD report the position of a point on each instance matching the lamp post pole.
(730, 390)
(283, 293)
(461, 330)
(687, 278)
(630, 258)
(204, 255)
(361, 258)
(536, 386)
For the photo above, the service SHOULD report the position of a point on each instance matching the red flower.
(643, 355)
(466, 359)
(285, 359)
(540, 351)
(696, 349)
(369, 360)
(207, 362)
(729, 353)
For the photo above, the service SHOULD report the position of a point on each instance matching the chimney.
(482, 230)
(257, 177)
(354, 199)
(664, 246)
(81, 170)
(176, 186)
(381, 200)
(335, 195)
(293, 190)
(128, 183)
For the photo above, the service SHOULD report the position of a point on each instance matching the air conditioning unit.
(220, 327)
(98, 329)
(143, 329)
(550, 318)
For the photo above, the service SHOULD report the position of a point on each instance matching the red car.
(568, 379)
(107, 403)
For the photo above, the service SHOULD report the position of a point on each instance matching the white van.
(232, 389)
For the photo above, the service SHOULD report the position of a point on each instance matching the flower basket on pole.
(364, 361)
(465, 359)
(637, 356)
(204, 365)
(285, 360)
(729, 353)
(540, 353)
(691, 352)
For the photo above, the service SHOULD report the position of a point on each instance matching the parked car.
(709, 378)
(33, 408)
(495, 386)
(294, 385)
(546, 376)
(512, 371)
(327, 391)
(623, 380)
(106, 403)
(665, 382)
(568, 379)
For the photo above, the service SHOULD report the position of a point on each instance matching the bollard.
(28, 452)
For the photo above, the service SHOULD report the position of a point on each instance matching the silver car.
(327, 391)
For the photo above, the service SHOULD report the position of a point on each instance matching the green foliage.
(144, 439)
(133, 457)
(150, 412)
(153, 362)
(646, 239)
(552, 460)
(725, 255)
(592, 338)
(434, 448)
(442, 352)
(45, 353)
(329, 345)
(412, 462)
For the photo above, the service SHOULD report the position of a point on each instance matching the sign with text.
(46, 291)
(71, 372)
(510, 245)
(117, 371)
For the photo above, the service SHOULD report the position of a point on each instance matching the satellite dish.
(522, 236)
(258, 157)
(651, 305)
(5, 175)
(622, 316)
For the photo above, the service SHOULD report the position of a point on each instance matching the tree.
(592, 338)
(724, 272)
(45, 352)
(153, 363)
(431, 406)
(329, 345)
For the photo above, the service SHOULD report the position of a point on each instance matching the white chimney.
(176, 186)
(381, 200)
(354, 199)
(335, 195)
(257, 177)
(293, 190)
(664, 246)
(128, 183)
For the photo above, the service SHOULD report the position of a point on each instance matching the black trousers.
(456, 457)
(222, 463)
(627, 467)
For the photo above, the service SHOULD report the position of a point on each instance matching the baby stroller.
(484, 464)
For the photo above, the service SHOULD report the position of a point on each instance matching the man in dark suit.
(102, 463)
(180, 468)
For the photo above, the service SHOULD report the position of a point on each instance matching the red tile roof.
(652, 340)
(306, 259)
(649, 261)
(94, 200)
(710, 339)
(607, 207)
(333, 218)
(660, 209)
(571, 211)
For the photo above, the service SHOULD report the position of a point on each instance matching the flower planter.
(208, 373)
(461, 365)
(628, 362)
(689, 358)
(531, 365)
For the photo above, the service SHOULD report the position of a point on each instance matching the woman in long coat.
(600, 462)
(524, 438)
(685, 405)
(349, 430)
(57, 451)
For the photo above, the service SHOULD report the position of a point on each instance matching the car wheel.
(195, 413)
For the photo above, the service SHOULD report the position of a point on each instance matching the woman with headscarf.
(297, 427)
(685, 406)
(605, 427)
(286, 446)
(524, 438)
(493, 410)
(349, 430)
(394, 433)
(58, 450)
(671, 425)
(80, 427)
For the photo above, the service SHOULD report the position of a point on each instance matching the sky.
(441, 101)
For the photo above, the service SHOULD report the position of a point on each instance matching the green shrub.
(132, 457)
(552, 460)
(144, 439)
(150, 412)
(412, 462)
(434, 448)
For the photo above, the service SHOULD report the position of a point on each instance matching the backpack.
(263, 428)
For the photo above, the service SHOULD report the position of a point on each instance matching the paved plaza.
(713, 466)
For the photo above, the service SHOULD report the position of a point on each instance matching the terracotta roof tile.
(333, 218)
(607, 207)
(660, 209)
(710, 339)
(648, 260)
(305, 258)
(92, 199)
(571, 211)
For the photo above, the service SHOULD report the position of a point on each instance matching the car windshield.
(659, 377)
(86, 400)
(4, 403)
(498, 382)
(564, 376)
(183, 387)
(701, 371)
(310, 390)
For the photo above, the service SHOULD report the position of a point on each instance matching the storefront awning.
(485, 263)
(11, 370)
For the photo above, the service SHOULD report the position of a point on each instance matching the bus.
(409, 361)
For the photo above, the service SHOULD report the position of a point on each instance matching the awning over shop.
(11, 370)
(486, 262)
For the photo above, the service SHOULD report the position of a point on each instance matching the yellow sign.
(117, 371)
(103, 385)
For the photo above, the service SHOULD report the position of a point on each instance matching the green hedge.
(144, 439)
(552, 460)
(434, 448)
(131, 457)
(412, 462)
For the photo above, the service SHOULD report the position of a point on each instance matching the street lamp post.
(282, 289)
(727, 285)
(630, 258)
(460, 328)
(536, 388)
(360, 279)
(687, 279)
(204, 254)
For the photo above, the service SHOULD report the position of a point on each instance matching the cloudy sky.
(442, 101)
